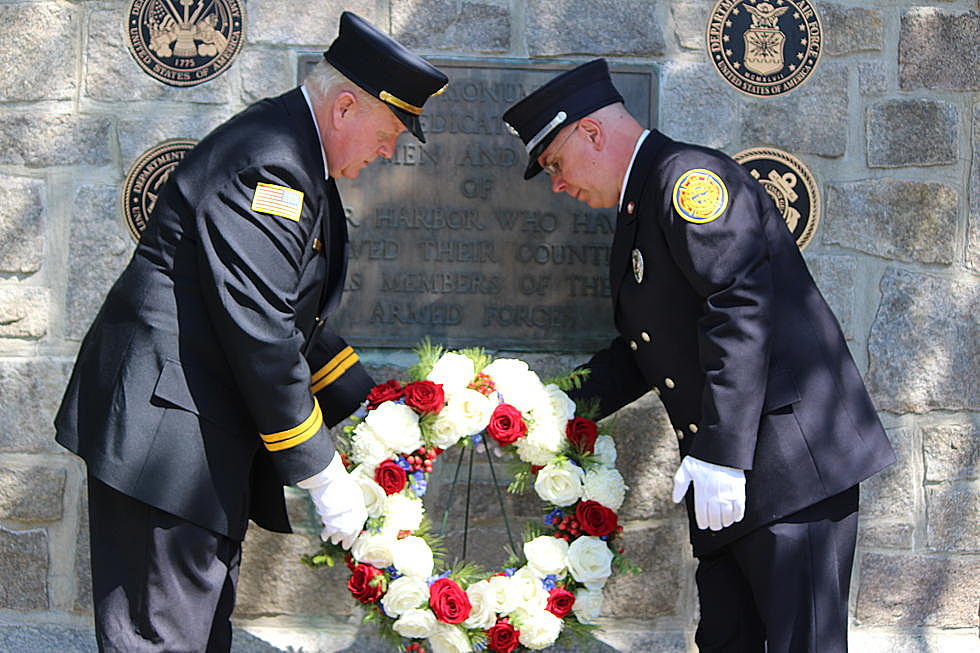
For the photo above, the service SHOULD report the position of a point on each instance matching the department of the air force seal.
(790, 185)
(185, 42)
(145, 179)
(764, 48)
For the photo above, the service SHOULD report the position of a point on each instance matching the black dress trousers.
(159, 583)
(782, 588)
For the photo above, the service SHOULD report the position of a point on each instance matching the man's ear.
(593, 131)
(344, 106)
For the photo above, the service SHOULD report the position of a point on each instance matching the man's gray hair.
(324, 81)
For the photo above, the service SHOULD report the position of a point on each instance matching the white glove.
(719, 492)
(339, 502)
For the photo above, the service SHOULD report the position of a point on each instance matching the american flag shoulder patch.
(278, 200)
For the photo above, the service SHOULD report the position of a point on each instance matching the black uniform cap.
(574, 94)
(386, 69)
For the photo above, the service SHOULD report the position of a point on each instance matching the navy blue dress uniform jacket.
(726, 325)
(209, 377)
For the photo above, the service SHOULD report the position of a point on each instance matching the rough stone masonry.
(889, 124)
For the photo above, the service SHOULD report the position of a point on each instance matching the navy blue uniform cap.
(574, 94)
(386, 69)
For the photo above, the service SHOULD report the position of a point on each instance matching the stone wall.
(889, 125)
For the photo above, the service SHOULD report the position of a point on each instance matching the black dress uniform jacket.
(726, 324)
(209, 378)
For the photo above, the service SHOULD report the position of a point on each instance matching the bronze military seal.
(146, 178)
(790, 185)
(764, 48)
(185, 42)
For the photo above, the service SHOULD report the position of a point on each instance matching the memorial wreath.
(554, 590)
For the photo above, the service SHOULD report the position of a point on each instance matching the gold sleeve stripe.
(331, 364)
(336, 373)
(296, 435)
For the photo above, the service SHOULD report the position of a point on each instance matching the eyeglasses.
(553, 167)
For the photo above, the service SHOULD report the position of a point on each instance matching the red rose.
(388, 391)
(425, 396)
(367, 583)
(582, 433)
(448, 601)
(506, 424)
(596, 519)
(390, 477)
(560, 602)
(502, 637)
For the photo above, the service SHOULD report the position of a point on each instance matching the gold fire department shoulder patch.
(700, 196)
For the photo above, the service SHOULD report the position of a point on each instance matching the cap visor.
(410, 120)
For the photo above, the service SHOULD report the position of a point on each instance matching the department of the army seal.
(790, 185)
(146, 177)
(185, 42)
(764, 48)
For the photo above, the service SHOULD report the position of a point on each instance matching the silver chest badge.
(637, 266)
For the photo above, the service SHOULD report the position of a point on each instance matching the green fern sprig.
(479, 357)
(571, 381)
(520, 472)
(428, 355)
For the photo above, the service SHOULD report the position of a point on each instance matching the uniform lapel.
(627, 220)
(335, 236)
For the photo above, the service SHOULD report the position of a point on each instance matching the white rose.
(519, 386)
(539, 628)
(445, 638)
(415, 623)
(524, 589)
(605, 486)
(367, 447)
(483, 605)
(402, 512)
(560, 483)
(412, 557)
(454, 371)
(588, 605)
(466, 413)
(506, 600)
(405, 593)
(373, 548)
(396, 425)
(445, 430)
(547, 555)
(605, 451)
(374, 495)
(561, 405)
(590, 561)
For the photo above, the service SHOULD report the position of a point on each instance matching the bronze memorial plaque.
(790, 184)
(145, 179)
(447, 239)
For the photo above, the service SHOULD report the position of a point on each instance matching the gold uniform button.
(317, 245)
(693, 428)
(645, 336)
(633, 345)
(680, 434)
(669, 383)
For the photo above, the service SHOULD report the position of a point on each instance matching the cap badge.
(700, 196)
(637, 266)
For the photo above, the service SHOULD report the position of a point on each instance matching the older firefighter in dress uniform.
(211, 374)
(717, 314)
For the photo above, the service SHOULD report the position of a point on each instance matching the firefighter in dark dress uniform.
(717, 313)
(211, 374)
